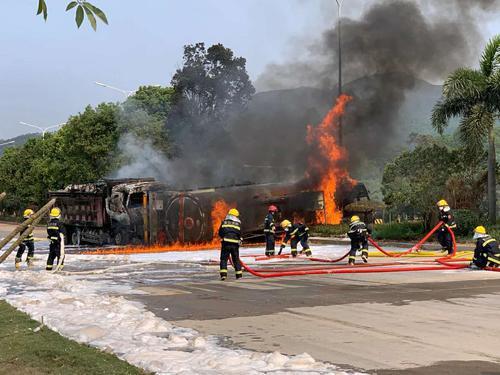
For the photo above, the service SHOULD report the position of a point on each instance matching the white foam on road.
(94, 312)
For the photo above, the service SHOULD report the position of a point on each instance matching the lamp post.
(339, 7)
(40, 129)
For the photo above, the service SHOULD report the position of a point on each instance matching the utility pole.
(339, 6)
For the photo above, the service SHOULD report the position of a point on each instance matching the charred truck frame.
(148, 212)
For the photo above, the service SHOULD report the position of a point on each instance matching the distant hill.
(18, 141)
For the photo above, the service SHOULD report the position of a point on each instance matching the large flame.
(218, 213)
(327, 159)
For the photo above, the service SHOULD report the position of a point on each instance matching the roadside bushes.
(466, 221)
(393, 231)
(411, 230)
(327, 230)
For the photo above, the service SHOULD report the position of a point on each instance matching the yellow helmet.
(234, 212)
(55, 213)
(28, 212)
(354, 218)
(480, 230)
(442, 203)
(285, 223)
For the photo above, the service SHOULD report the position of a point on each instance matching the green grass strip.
(23, 351)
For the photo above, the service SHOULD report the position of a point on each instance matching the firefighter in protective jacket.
(358, 233)
(443, 235)
(56, 234)
(28, 243)
(230, 234)
(487, 252)
(270, 230)
(296, 233)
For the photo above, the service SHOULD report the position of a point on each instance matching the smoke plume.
(387, 52)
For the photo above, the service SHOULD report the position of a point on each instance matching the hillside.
(18, 141)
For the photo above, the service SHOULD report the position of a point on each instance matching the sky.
(48, 69)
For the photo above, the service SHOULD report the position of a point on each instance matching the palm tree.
(474, 96)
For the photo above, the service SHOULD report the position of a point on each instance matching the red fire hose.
(350, 270)
(418, 245)
(323, 267)
(444, 263)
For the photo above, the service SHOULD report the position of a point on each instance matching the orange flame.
(328, 161)
(219, 211)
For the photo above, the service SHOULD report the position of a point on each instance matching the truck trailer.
(144, 211)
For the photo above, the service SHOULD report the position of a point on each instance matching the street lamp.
(42, 130)
(124, 92)
(339, 7)
(7, 143)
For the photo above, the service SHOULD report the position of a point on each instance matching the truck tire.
(75, 237)
(120, 238)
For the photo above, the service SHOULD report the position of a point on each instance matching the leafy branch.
(83, 8)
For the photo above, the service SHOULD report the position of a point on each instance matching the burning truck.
(144, 211)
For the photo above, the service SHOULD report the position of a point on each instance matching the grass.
(23, 351)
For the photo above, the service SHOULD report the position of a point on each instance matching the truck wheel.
(75, 237)
(120, 239)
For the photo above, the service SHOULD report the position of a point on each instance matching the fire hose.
(326, 271)
(444, 263)
(416, 247)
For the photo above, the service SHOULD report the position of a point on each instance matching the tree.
(144, 114)
(86, 148)
(418, 179)
(474, 96)
(211, 85)
(83, 150)
(83, 8)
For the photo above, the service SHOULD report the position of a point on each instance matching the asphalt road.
(435, 322)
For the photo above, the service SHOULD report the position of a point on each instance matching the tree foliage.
(419, 178)
(473, 95)
(211, 85)
(83, 8)
(85, 149)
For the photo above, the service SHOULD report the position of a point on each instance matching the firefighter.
(28, 242)
(358, 233)
(486, 252)
(56, 234)
(443, 235)
(230, 234)
(270, 230)
(296, 233)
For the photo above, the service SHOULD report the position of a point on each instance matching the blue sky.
(47, 69)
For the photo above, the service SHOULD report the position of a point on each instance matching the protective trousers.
(54, 253)
(270, 243)
(31, 251)
(361, 244)
(303, 242)
(227, 250)
(444, 238)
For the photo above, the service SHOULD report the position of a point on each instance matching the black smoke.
(386, 53)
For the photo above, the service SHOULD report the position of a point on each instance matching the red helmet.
(272, 208)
